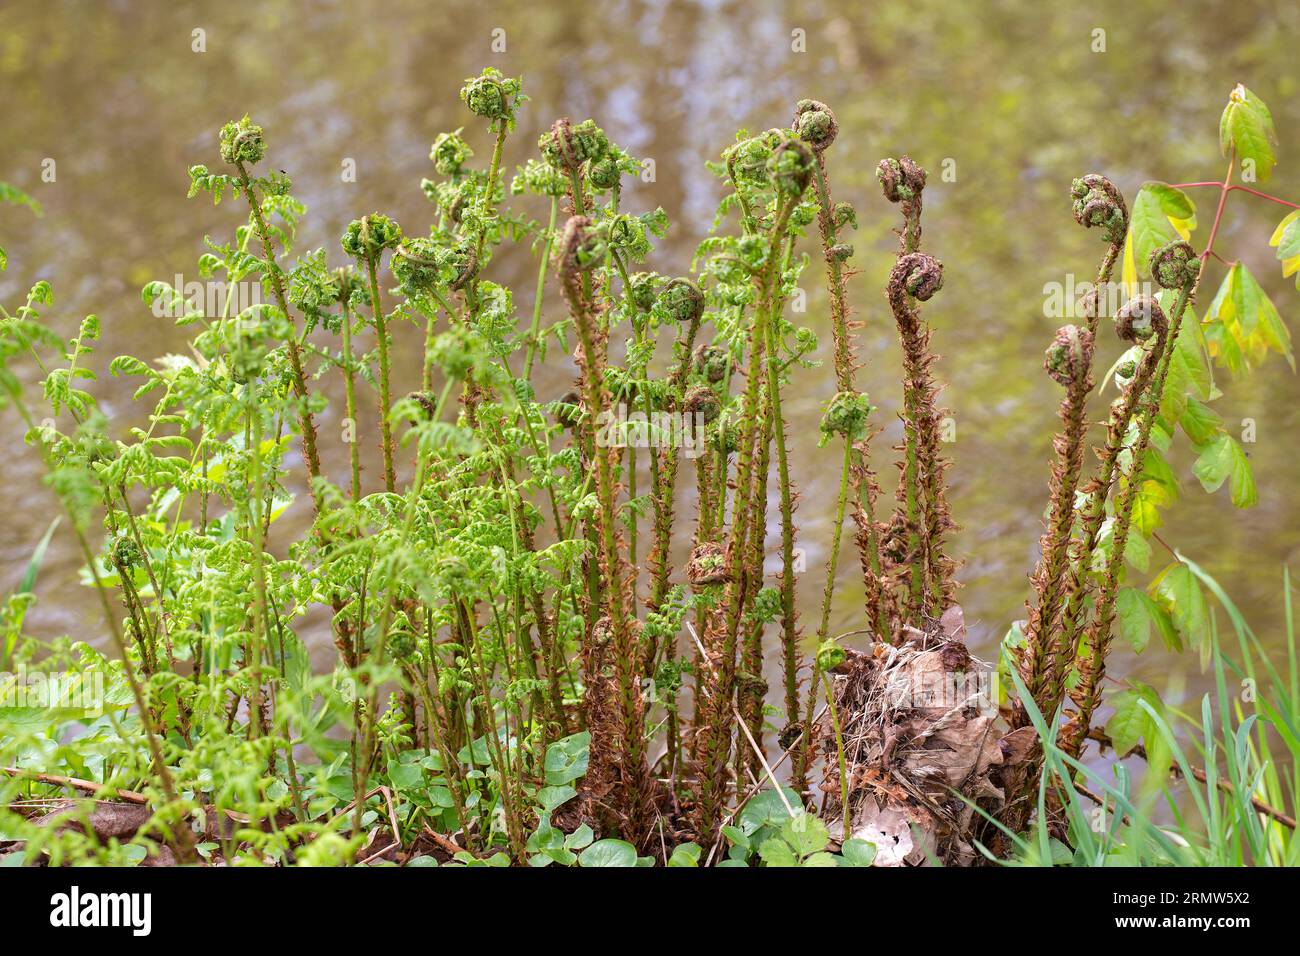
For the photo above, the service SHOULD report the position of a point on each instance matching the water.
(1013, 101)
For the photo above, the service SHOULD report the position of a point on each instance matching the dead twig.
(1283, 818)
(443, 842)
(86, 786)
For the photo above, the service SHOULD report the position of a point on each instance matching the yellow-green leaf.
(1242, 484)
(1267, 332)
(1146, 516)
(1247, 127)
(1135, 612)
(1223, 459)
(1286, 237)
(1243, 325)
(1189, 371)
(1128, 722)
(1159, 480)
(1200, 422)
(1223, 346)
(1214, 466)
(1160, 214)
(1178, 591)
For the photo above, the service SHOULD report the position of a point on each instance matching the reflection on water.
(1010, 100)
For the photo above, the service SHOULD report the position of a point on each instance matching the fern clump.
(524, 669)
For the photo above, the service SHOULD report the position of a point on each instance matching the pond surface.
(1011, 98)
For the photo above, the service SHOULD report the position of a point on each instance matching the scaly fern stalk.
(1137, 320)
(751, 687)
(789, 164)
(242, 145)
(815, 123)
(366, 239)
(1048, 658)
(903, 181)
(1069, 363)
(879, 604)
(915, 278)
(565, 148)
(686, 302)
(1095, 203)
(347, 285)
(789, 614)
(628, 756)
(1173, 266)
(793, 180)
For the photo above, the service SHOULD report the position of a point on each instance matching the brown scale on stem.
(602, 787)
(881, 606)
(790, 168)
(1069, 363)
(1060, 579)
(903, 182)
(1173, 266)
(1095, 203)
(751, 688)
(694, 406)
(707, 573)
(789, 500)
(621, 758)
(815, 123)
(925, 519)
(1050, 650)
(1136, 321)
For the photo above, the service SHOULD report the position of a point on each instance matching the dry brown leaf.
(108, 820)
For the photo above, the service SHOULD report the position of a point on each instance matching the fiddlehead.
(1098, 204)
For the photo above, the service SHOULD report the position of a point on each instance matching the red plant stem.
(1225, 187)
(1246, 189)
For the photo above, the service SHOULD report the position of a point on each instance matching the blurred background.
(1011, 97)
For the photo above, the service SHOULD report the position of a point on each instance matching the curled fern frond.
(1069, 358)
(815, 123)
(1097, 203)
(917, 274)
(1175, 265)
(242, 143)
(901, 180)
